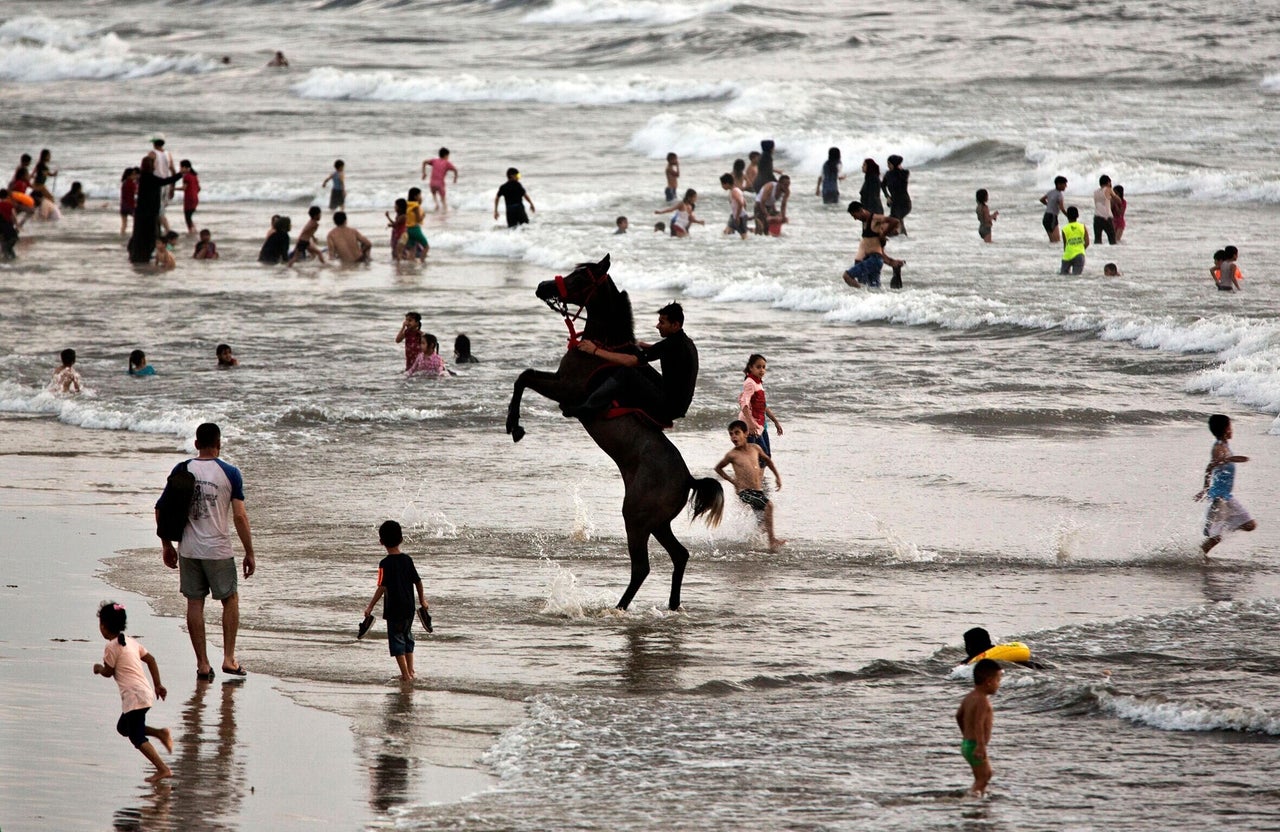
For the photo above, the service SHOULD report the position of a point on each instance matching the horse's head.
(577, 288)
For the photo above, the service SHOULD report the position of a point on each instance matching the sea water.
(994, 445)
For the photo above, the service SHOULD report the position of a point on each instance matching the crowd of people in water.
(758, 192)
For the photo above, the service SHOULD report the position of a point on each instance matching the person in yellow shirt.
(413, 217)
(1075, 239)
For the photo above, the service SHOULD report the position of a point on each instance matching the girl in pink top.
(123, 659)
(439, 167)
(751, 404)
(429, 362)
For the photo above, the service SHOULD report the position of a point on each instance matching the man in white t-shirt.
(164, 169)
(205, 557)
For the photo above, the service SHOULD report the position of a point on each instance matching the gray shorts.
(1075, 265)
(199, 577)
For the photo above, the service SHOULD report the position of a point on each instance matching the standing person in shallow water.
(1054, 203)
(146, 215)
(894, 186)
(1226, 513)
(870, 194)
(829, 181)
(512, 192)
(975, 717)
(204, 556)
(1075, 240)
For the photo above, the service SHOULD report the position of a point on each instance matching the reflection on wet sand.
(392, 764)
(208, 776)
(653, 659)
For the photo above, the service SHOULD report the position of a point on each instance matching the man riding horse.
(633, 385)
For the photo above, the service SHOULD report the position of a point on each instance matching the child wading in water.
(751, 404)
(428, 362)
(748, 478)
(975, 716)
(397, 580)
(411, 334)
(986, 217)
(1226, 513)
(123, 660)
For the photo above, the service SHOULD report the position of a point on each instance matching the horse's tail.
(708, 498)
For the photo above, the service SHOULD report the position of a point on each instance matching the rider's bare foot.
(161, 774)
(776, 544)
(166, 739)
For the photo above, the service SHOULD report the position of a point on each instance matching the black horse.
(657, 480)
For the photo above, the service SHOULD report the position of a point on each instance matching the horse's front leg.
(547, 384)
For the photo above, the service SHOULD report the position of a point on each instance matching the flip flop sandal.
(204, 677)
(364, 626)
(238, 670)
(425, 618)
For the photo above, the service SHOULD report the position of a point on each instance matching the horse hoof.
(517, 433)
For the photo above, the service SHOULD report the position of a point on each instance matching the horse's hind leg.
(679, 557)
(638, 548)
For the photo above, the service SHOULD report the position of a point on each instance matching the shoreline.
(69, 512)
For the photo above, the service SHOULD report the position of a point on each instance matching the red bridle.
(561, 304)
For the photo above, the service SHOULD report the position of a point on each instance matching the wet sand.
(247, 753)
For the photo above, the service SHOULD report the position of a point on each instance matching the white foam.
(87, 411)
(36, 50)
(1271, 82)
(1083, 165)
(565, 599)
(735, 132)
(329, 83)
(1190, 716)
(650, 12)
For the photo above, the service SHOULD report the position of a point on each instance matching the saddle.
(617, 411)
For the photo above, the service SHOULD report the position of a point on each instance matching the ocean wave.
(1193, 715)
(649, 12)
(702, 137)
(580, 90)
(37, 50)
(87, 411)
(1082, 166)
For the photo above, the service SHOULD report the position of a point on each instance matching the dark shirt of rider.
(678, 358)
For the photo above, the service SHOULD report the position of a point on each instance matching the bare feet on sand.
(162, 774)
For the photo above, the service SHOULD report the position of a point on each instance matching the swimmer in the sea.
(749, 462)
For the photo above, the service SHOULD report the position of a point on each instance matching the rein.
(561, 305)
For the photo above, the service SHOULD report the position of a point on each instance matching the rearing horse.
(655, 475)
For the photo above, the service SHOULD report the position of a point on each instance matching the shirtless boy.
(748, 462)
(673, 177)
(974, 716)
(871, 257)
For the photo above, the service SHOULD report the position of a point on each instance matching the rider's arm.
(626, 360)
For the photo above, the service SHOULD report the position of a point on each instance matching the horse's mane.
(609, 318)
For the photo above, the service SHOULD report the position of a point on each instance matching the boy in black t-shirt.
(397, 579)
(512, 191)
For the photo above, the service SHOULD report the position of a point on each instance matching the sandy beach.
(257, 753)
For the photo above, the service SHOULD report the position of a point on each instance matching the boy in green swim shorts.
(974, 716)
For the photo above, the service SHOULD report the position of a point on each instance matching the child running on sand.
(439, 167)
(975, 716)
(397, 580)
(1226, 513)
(411, 334)
(428, 361)
(748, 478)
(752, 409)
(123, 660)
(986, 217)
